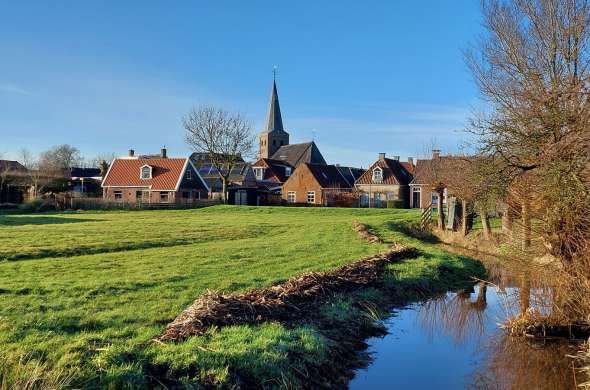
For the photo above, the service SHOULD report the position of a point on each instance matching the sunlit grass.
(84, 293)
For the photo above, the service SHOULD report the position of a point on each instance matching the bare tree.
(533, 67)
(33, 173)
(224, 136)
(4, 172)
(60, 158)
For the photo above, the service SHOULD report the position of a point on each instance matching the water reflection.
(454, 342)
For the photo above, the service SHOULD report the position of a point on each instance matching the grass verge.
(86, 318)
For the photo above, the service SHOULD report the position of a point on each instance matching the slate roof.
(296, 154)
(125, 172)
(393, 173)
(351, 174)
(85, 172)
(274, 120)
(328, 176)
(10, 165)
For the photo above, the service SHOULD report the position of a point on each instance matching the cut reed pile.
(288, 302)
(364, 231)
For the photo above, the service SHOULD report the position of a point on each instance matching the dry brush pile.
(289, 302)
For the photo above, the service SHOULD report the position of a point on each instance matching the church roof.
(274, 121)
(296, 154)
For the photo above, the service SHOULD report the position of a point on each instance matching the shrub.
(36, 206)
(395, 204)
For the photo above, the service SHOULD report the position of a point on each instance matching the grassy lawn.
(82, 294)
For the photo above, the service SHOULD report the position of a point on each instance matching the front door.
(416, 199)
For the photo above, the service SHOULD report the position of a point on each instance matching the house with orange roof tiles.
(153, 179)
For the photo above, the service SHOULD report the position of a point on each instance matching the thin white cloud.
(9, 88)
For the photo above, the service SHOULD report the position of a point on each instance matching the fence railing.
(103, 204)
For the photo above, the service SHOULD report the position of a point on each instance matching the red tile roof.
(408, 165)
(393, 173)
(166, 173)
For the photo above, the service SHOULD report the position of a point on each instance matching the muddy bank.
(357, 296)
(286, 303)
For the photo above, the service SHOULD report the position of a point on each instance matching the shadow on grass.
(413, 231)
(13, 220)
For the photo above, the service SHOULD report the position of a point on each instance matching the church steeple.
(273, 135)
(274, 121)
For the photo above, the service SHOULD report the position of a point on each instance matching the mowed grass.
(82, 294)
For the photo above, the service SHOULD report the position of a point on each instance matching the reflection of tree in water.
(514, 363)
(457, 316)
(511, 363)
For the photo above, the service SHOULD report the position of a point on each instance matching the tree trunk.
(224, 189)
(526, 223)
(507, 221)
(485, 223)
(464, 208)
(439, 206)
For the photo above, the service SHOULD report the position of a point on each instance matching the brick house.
(386, 180)
(427, 172)
(315, 184)
(153, 179)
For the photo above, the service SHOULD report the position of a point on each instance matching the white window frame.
(259, 173)
(312, 193)
(118, 196)
(378, 178)
(291, 197)
(141, 172)
(288, 171)
(167, 193)
(417, 190)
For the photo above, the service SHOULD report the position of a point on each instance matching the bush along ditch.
(341, 308)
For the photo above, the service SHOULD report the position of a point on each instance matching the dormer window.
(189, 174)
(377, 175)
(287, 171)
(146, 172)
(259, 172)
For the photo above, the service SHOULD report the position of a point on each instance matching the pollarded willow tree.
(532, 67)
(224, 136)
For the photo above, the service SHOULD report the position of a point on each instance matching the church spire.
(274, 121)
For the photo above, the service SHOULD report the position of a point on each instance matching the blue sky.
(368, 77)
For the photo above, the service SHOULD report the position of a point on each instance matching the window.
(416, 192)
(146, 172)
(259, 172)
(310, 196)
(291, 197)
(274, 142)
(186, 194)
(142, 196)
(287, 171)
(118, 195)
(281, 143)
(164, 197)
(189, 174)
(377, 175)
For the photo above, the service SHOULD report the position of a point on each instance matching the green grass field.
(82, 294)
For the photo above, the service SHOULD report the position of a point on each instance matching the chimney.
(131, 152)
(396, 158)
(163, 153)
(381, 156)
(411, 160)
(435, 154)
